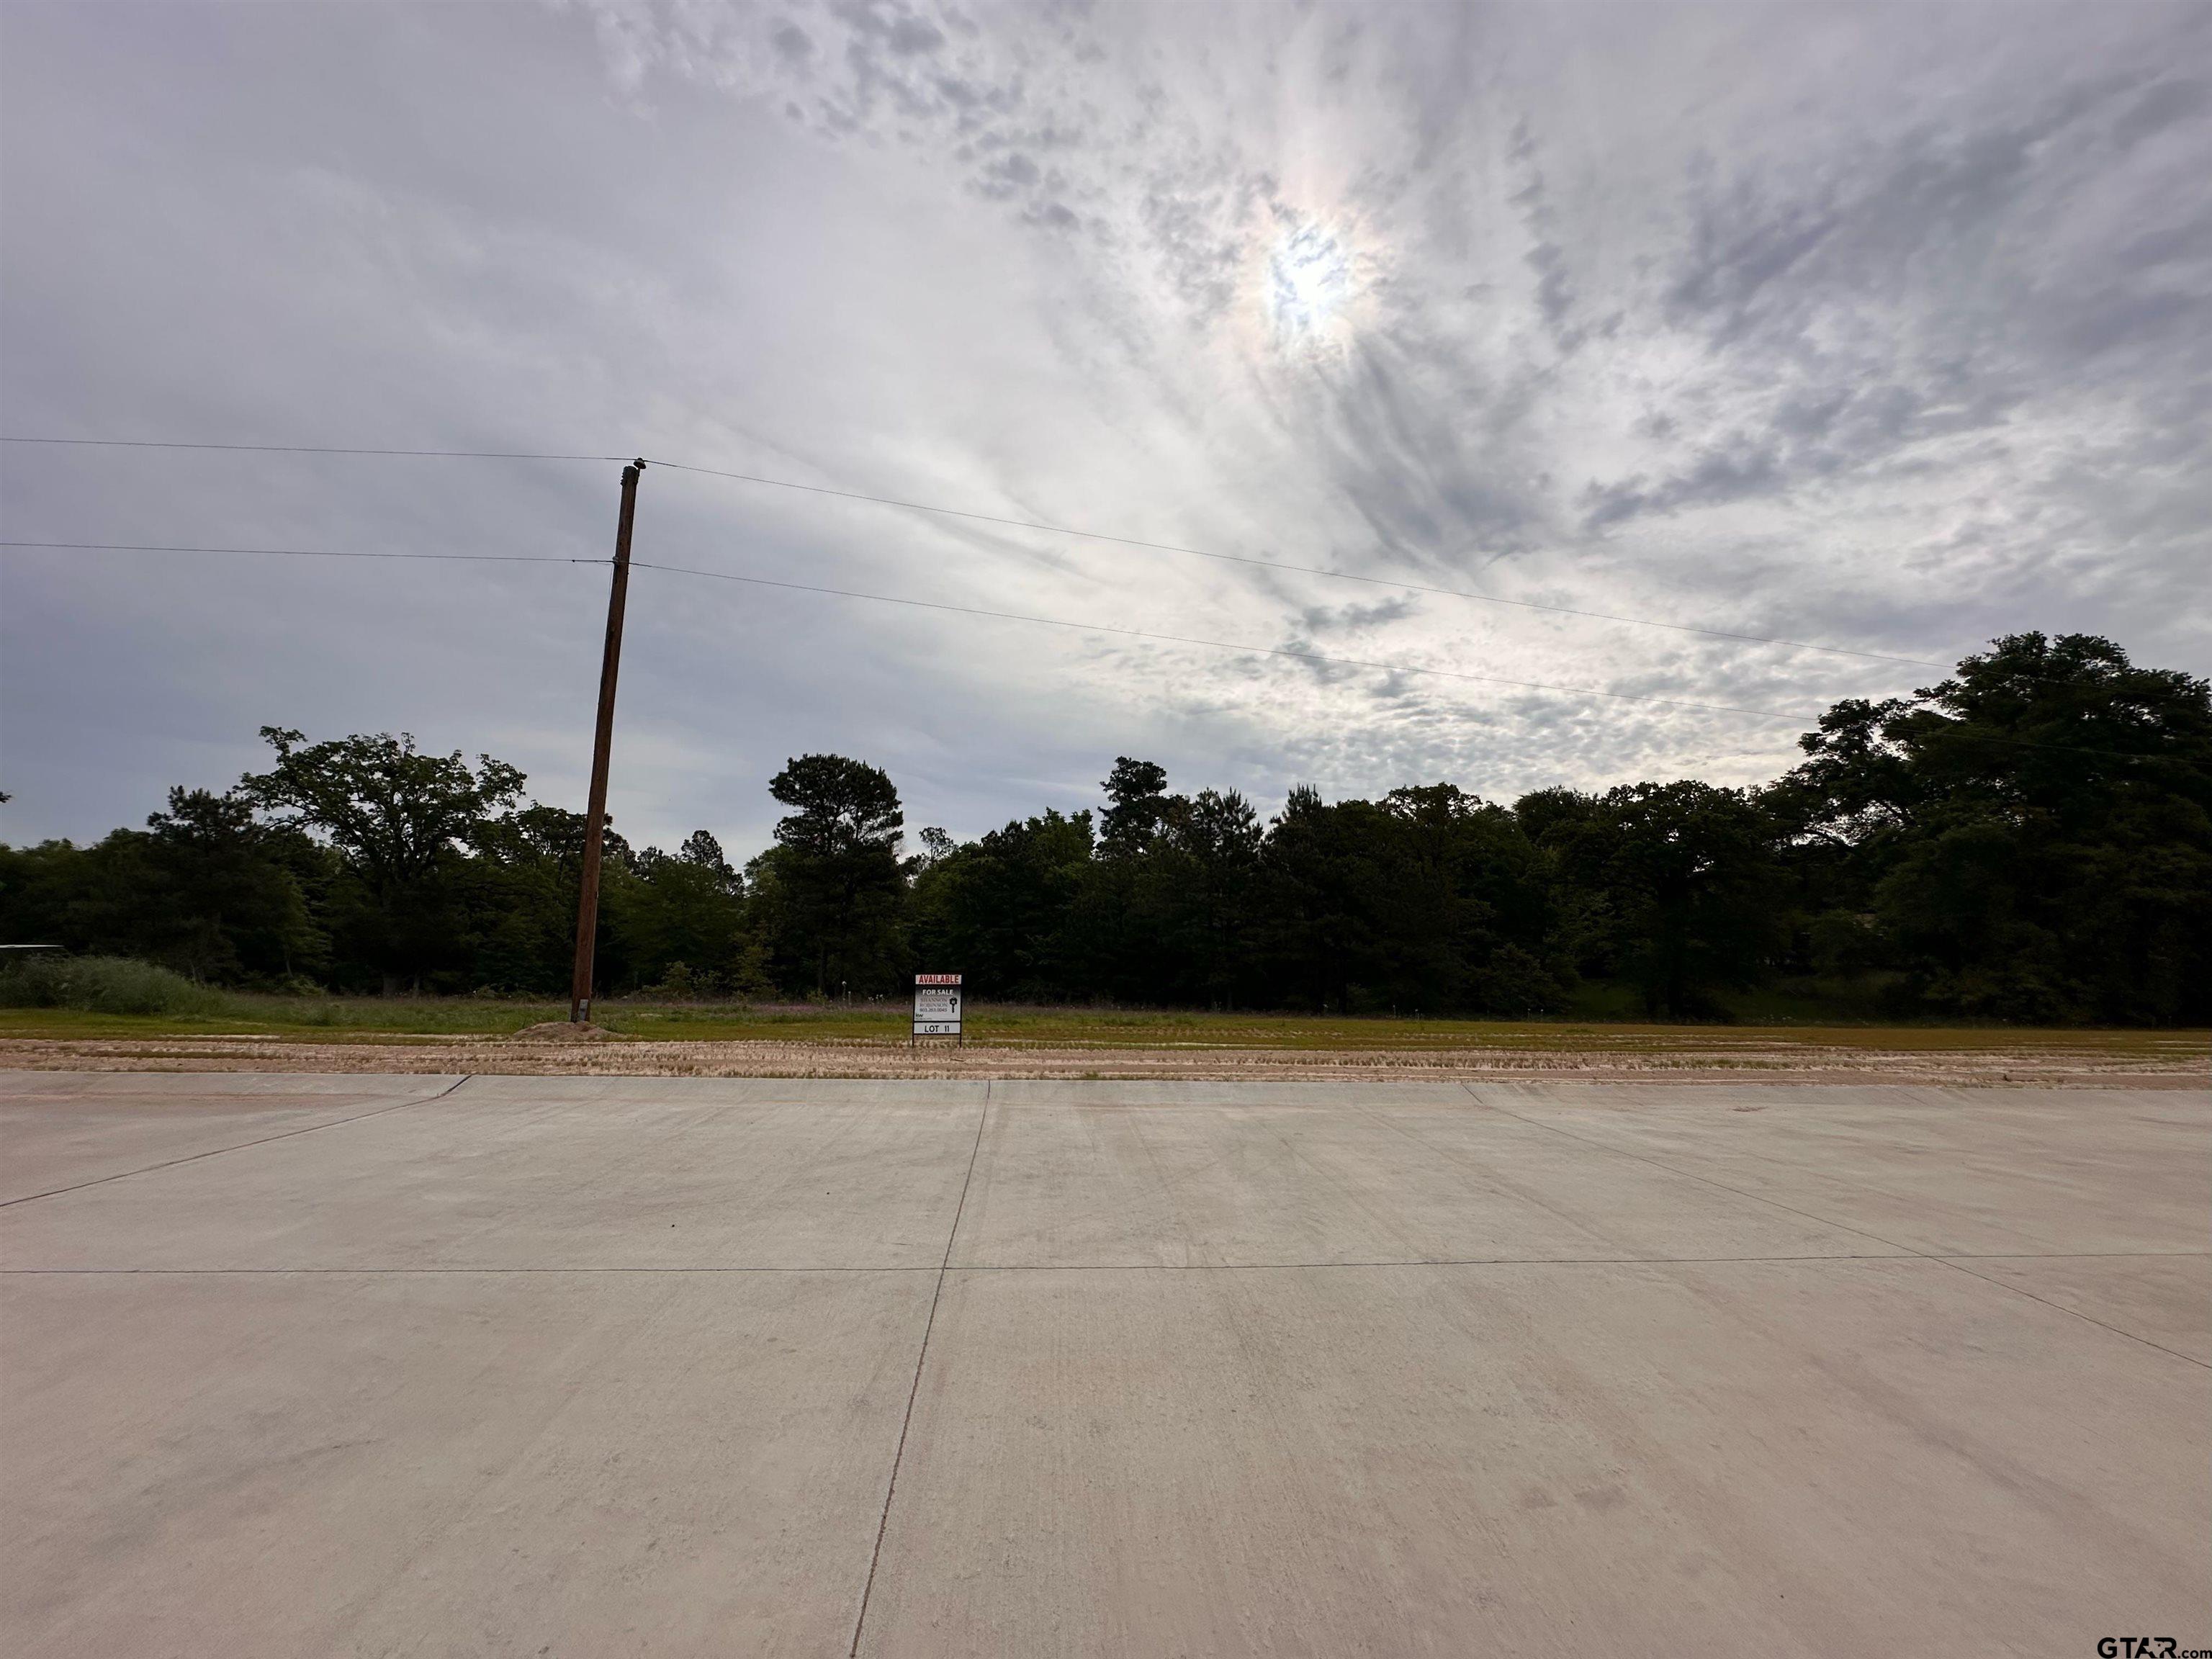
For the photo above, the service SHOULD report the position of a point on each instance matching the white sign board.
(937, 1004)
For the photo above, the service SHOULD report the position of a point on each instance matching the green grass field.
(382, 1019)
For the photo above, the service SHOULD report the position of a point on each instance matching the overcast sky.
(1880, 327)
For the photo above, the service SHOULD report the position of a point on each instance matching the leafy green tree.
(702, 851)
(106, 899)
(203, 889)
(684, 909)
(519, 894)
(1430, 899)
(1001, 910)
(1475, 912)
(936, 847)
(834, 892)
(2030, 839)
(1326, 896)
(1689, 882)
(1137, 806)
(402, 821)
(228, 907)
(43, 891)
(1195, 892)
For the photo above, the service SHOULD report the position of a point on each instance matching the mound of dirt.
(561, 1030)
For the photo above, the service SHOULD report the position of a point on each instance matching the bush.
(101, 985)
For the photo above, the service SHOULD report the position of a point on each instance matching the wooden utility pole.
(595, 815)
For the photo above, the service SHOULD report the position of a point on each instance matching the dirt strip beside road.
(1722, 1059)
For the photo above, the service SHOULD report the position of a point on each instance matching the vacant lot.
(371, 1365)
(464, 1035)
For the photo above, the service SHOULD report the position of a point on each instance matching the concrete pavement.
(404, 1365)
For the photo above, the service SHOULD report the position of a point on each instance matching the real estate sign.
(937, 1004)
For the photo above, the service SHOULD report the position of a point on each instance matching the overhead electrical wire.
(1234, 646)
(926, 604)
(306, 552)
(1023, 524)
(312, 449)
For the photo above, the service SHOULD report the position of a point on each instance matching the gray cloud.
(1314, 620)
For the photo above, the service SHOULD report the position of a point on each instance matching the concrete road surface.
(369, 1365)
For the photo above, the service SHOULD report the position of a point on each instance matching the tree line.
(2030, 840)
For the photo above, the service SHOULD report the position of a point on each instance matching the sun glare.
(1309, 279)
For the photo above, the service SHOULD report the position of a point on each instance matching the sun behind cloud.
(1310, 280)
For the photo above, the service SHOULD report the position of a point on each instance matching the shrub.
(101, 985)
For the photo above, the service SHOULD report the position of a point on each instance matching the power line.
(312, 449)
(1051, 622)
(920, 604)
(1299, 569)
(1018, 524)
(304, 552)
(1220, 645)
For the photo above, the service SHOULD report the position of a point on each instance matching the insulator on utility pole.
(595, 814)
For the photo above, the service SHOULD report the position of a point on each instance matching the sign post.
(936, 1008)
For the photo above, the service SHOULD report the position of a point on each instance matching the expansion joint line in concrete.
(194, 1157)
(1953, 1263)
(914, 1389)
(1877, 1257)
